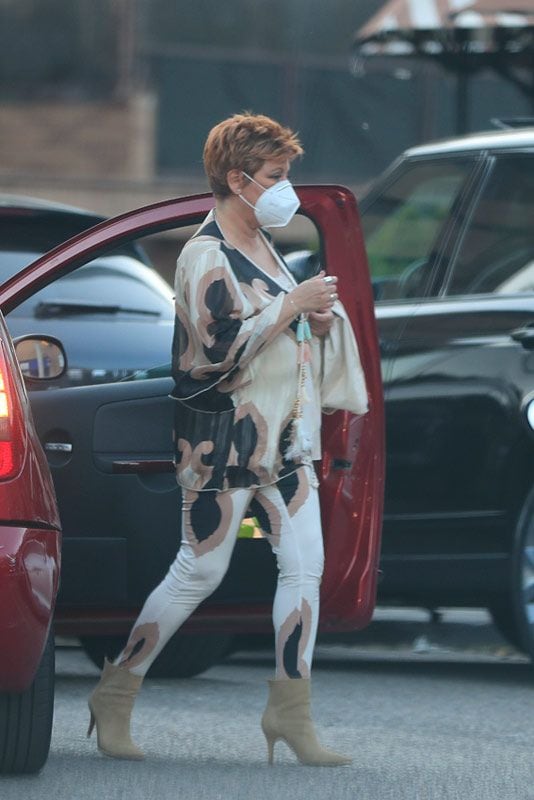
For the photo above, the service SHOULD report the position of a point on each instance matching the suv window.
(497, 251)
(402, 225)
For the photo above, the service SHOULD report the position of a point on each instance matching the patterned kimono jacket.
(235, 369)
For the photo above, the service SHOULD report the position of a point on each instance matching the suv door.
(488, 343)
(412, 221)
(110, 450)
(460, 452)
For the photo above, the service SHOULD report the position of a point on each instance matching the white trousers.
(289, 516)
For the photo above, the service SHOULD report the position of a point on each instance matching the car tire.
(522, 589)
(26, 720)
(184, 656)
(505, 620)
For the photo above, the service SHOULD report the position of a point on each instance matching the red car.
(30, 543)
(109, 451)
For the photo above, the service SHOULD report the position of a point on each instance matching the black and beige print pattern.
(235, 369)
(207, 519)
(293, 638)
(141, 643)
(288, 513)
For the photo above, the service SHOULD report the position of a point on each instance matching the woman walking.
(246, 365)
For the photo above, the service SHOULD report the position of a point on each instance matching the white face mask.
(276, 206)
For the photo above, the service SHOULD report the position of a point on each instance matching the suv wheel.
(184, 656)
(506, 622)
(523, 577)
(26, 720)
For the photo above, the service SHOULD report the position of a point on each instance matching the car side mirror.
(40, 357)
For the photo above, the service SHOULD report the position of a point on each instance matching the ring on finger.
(332, 296)
(328, 279)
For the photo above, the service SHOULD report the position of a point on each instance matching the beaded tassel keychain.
(301, 442)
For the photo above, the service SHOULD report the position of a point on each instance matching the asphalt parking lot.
(429, 708)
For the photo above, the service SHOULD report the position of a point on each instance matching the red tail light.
(11, 440)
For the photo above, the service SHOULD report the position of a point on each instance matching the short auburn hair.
(244, 142)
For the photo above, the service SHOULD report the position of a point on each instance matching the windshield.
(114, 285)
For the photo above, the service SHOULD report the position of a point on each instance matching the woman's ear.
(235, 180)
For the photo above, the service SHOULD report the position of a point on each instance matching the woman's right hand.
(315, 294)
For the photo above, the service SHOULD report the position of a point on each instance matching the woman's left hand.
(321, 321)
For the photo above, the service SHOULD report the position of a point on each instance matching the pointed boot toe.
(287, 718)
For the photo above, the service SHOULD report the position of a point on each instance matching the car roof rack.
(508, 123)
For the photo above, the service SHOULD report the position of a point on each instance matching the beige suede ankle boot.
(111, 706)
(287, 717)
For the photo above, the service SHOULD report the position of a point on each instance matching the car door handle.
(525, 336)
(143, 466)
(58, 447)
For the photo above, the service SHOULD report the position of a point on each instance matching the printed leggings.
(289, 517)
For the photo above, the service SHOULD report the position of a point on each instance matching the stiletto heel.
(287, 717)
(91, 724)
(270, 750)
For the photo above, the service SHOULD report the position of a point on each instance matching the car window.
(403, 223)
(497, 251)
(116, 286)
(12, 261)
(114, 314)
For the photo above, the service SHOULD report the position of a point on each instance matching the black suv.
(449, 230)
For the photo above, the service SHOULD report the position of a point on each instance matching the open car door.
(110, 452)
